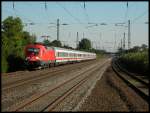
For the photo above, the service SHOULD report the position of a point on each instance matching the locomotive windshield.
(33, 50)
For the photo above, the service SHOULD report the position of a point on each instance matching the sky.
(86, 18)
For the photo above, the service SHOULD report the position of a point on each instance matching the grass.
(98, 56)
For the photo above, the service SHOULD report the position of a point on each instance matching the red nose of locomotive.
(32, 54)
(32, 57)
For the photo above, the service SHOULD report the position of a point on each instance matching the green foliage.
(13, 42)
(4, 64)
(67, 47)
(85, 44)
(143, 47)
(100, 55)
(135, 49)
(56, 43)
(12, 27)
(136, 61)
(47, 43)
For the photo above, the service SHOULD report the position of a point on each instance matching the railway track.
(17, 73)
(23, 74)
(136, 83)
(141, 78)
(39, 75)
(57, 94)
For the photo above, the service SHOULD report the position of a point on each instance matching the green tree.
(85, 44)
(144, 47)
(26, 37)
(67, 47)
(13, 41)
(56, 43)
(47, 42)
(12, 27)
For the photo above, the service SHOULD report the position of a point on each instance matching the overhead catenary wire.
(29, 21)
(138, 17)
(87, 17)
(46, 10)
(13, 5)
(69, 13)
(17, 14)
(126, 14)
(85, 12)
(45, 6)
(84, 6)
(14, 10)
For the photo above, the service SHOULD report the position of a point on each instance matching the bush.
(15, 63)
(4, 65)
(136, 61)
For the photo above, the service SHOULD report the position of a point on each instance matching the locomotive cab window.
(33, 50)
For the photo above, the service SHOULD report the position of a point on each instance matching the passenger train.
(40, 56)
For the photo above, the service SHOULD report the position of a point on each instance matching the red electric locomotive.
(38, 55)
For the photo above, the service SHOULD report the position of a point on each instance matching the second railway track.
(140, 86)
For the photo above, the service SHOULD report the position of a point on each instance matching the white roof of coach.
(71, 51)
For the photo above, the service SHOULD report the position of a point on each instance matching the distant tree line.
(84, 45)
(143, 47)
(14, 39)
(135, 59)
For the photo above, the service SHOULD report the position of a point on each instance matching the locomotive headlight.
(27, 58)
(37, 58)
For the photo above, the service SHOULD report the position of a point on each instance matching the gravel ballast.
(112, 94)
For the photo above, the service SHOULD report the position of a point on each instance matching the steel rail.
(129, 83)
(31, 79)
(39, 96)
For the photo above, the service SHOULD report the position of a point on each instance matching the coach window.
(58, 54)
(70, 54)
(61, 54)
(66, 54)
